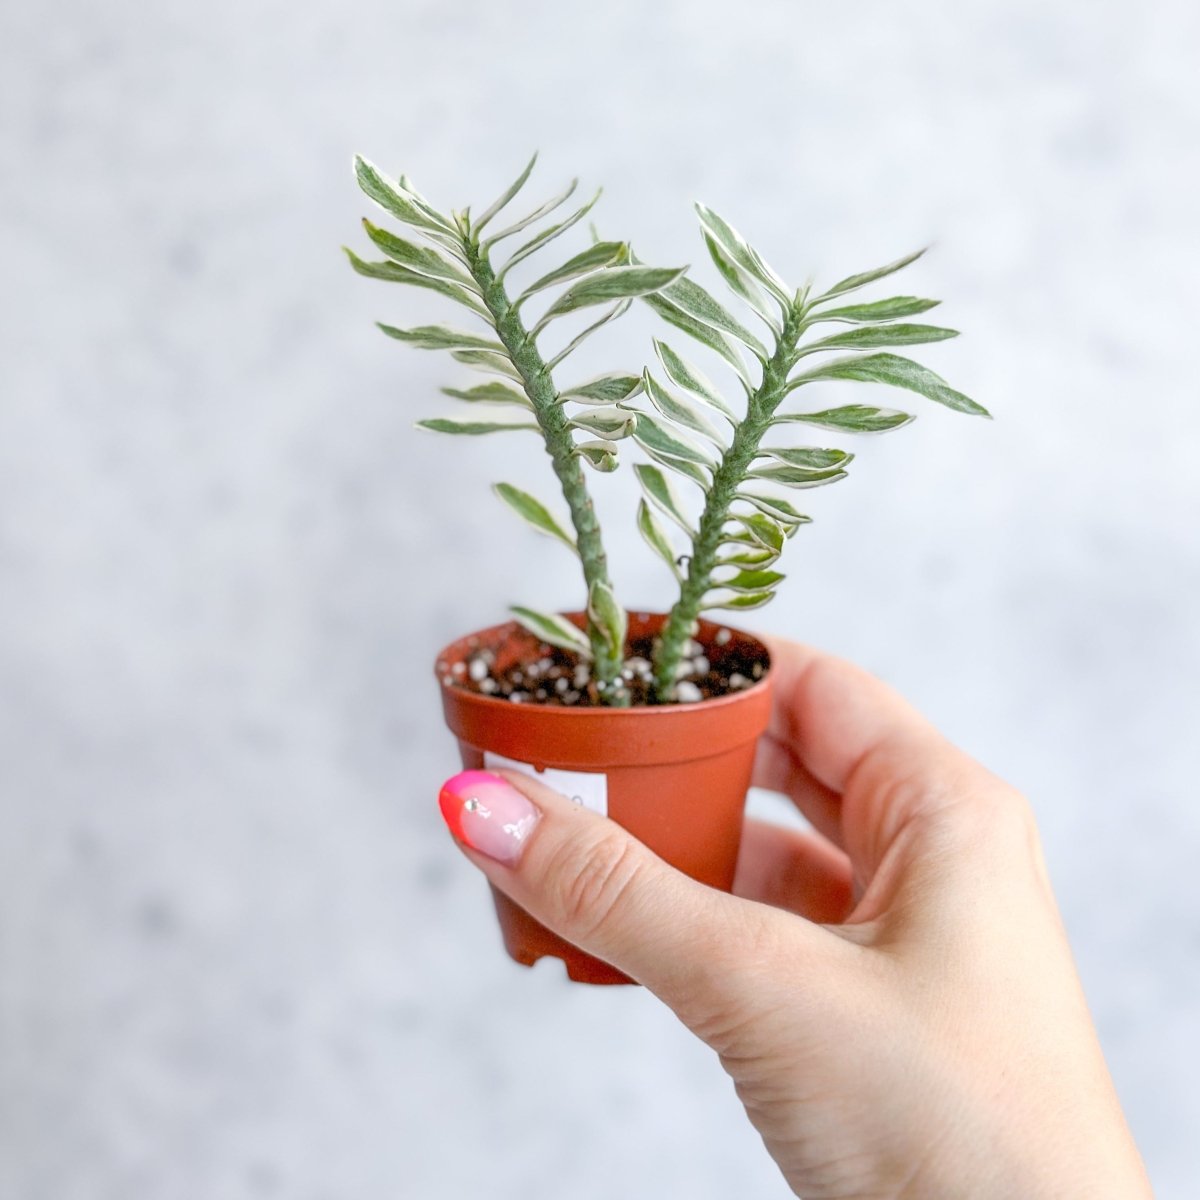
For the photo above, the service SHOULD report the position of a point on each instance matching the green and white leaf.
(796, 477)
(808, 458)
(706, 335)
(442, 337)
(653, 435)
(532, 510)
(873, 337)
(556, 630)
(618, 310)
(756, 557)
(777, 508)
(743, 285)
(509, 192)
(546, 236)
(594, 258)
(611, 423)
(878, 310)
(493, 392)
(421, 259)
(441, 234)
(684, 375)
(760, 530)
(895, 371)
(660, 492)
(398, 201)
(538, 213)
(743, 254)
(682, 466)
(604, 389)
(488, 360)
(676, 409)
(391, 272)
(749, 581)
(615, 283)
(608, 617)
(599, 454)
(853, 282)
(689, 296)
(651, 529)
(474, 428)
(852, 418)
(750, 600)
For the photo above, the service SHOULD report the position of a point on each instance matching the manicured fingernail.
(489, 814)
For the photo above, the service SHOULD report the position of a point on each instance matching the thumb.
(591, 882)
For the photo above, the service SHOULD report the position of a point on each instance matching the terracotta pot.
(674, 775)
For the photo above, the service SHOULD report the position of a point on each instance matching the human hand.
(892, 993)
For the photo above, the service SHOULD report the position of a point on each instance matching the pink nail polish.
(489, 814)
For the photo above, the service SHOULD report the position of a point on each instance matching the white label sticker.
(584, 787)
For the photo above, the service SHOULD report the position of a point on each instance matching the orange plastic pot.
(674, 775)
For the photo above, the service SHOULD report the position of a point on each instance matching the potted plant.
(651, 717)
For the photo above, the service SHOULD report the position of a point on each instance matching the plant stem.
(556, 432)
(728, 477)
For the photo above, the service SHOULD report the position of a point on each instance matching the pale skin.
(892, 994)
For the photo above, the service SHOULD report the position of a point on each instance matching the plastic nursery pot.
(674, 775)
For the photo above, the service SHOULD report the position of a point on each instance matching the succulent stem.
(538, 386)
(728, 477)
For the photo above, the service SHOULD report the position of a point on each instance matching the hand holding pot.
(892, 994)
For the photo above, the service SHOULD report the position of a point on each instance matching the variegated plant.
(744, 521)
(579, 423)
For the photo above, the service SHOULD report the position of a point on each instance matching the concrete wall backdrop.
(238, 955)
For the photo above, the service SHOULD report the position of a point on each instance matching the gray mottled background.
(238, 954)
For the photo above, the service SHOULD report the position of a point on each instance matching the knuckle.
(594, 881)
(993, 823)
(1008, 807)
(992, 812)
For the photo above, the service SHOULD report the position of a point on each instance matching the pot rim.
(563, 712)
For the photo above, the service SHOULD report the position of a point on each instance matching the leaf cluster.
(747, 478)
(467, 260)
(777, 340)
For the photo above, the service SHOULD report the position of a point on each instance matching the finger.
(794, 870)
(597, 886)
(831, 713)
(777, 769)
(855, 737)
